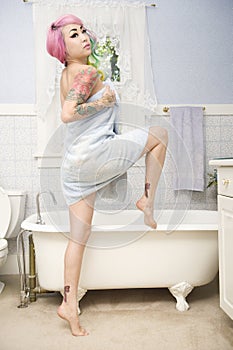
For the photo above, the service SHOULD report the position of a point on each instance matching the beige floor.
(137, 319)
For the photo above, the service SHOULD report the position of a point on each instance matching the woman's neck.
(70, 61)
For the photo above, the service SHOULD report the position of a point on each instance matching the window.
(108, 51)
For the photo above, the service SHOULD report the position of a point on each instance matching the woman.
(95, 153)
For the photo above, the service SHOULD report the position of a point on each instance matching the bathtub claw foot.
(80, 295)
(180, 292)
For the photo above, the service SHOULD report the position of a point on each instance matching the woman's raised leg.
(155, 150)
(81, 214)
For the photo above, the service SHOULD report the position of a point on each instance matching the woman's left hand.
(109, 97)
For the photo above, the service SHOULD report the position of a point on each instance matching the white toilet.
(12, 208)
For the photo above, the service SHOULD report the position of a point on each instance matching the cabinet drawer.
(225, 181)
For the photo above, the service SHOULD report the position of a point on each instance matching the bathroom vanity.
(225, 236)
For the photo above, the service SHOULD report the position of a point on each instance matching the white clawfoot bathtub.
(124, 253)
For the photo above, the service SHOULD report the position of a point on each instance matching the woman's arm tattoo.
(88, 109)
(82, 86)
(76, 112)
(75, 106)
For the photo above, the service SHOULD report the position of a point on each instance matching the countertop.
(221, 162)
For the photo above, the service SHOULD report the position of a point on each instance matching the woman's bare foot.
(144, 205)
(65, 312)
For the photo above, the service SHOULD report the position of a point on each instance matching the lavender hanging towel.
(187, 147)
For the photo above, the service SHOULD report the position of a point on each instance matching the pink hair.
(55, 42)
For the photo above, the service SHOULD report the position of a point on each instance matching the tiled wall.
(18, 167)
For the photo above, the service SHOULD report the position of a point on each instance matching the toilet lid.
(5, 212)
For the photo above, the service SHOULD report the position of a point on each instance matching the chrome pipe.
(24, 290)
(39, 218)
(32, 270)
(40, 290)
(27, 293)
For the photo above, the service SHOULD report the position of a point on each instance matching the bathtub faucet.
(39, 218)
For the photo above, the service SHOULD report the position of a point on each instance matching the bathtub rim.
(30, 225)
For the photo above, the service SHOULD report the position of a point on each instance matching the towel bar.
(166, 109)
(153, 5)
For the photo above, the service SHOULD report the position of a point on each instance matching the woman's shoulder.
(77, 68)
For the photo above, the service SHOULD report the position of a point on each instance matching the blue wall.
(17, 53)
(192, 54)
(191, 50)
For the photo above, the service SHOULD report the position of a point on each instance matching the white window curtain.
(124, 20)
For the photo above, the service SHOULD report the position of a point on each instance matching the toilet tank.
(17, 201)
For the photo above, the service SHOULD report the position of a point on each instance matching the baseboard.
(11, 265)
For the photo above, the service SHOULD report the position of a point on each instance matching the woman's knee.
(81, 215)
(80, 232)
(160, 134)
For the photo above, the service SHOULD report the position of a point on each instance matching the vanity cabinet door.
(225, 237)
(225, 181)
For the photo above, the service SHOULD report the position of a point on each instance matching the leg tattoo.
(66, 290)
(147, 187)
